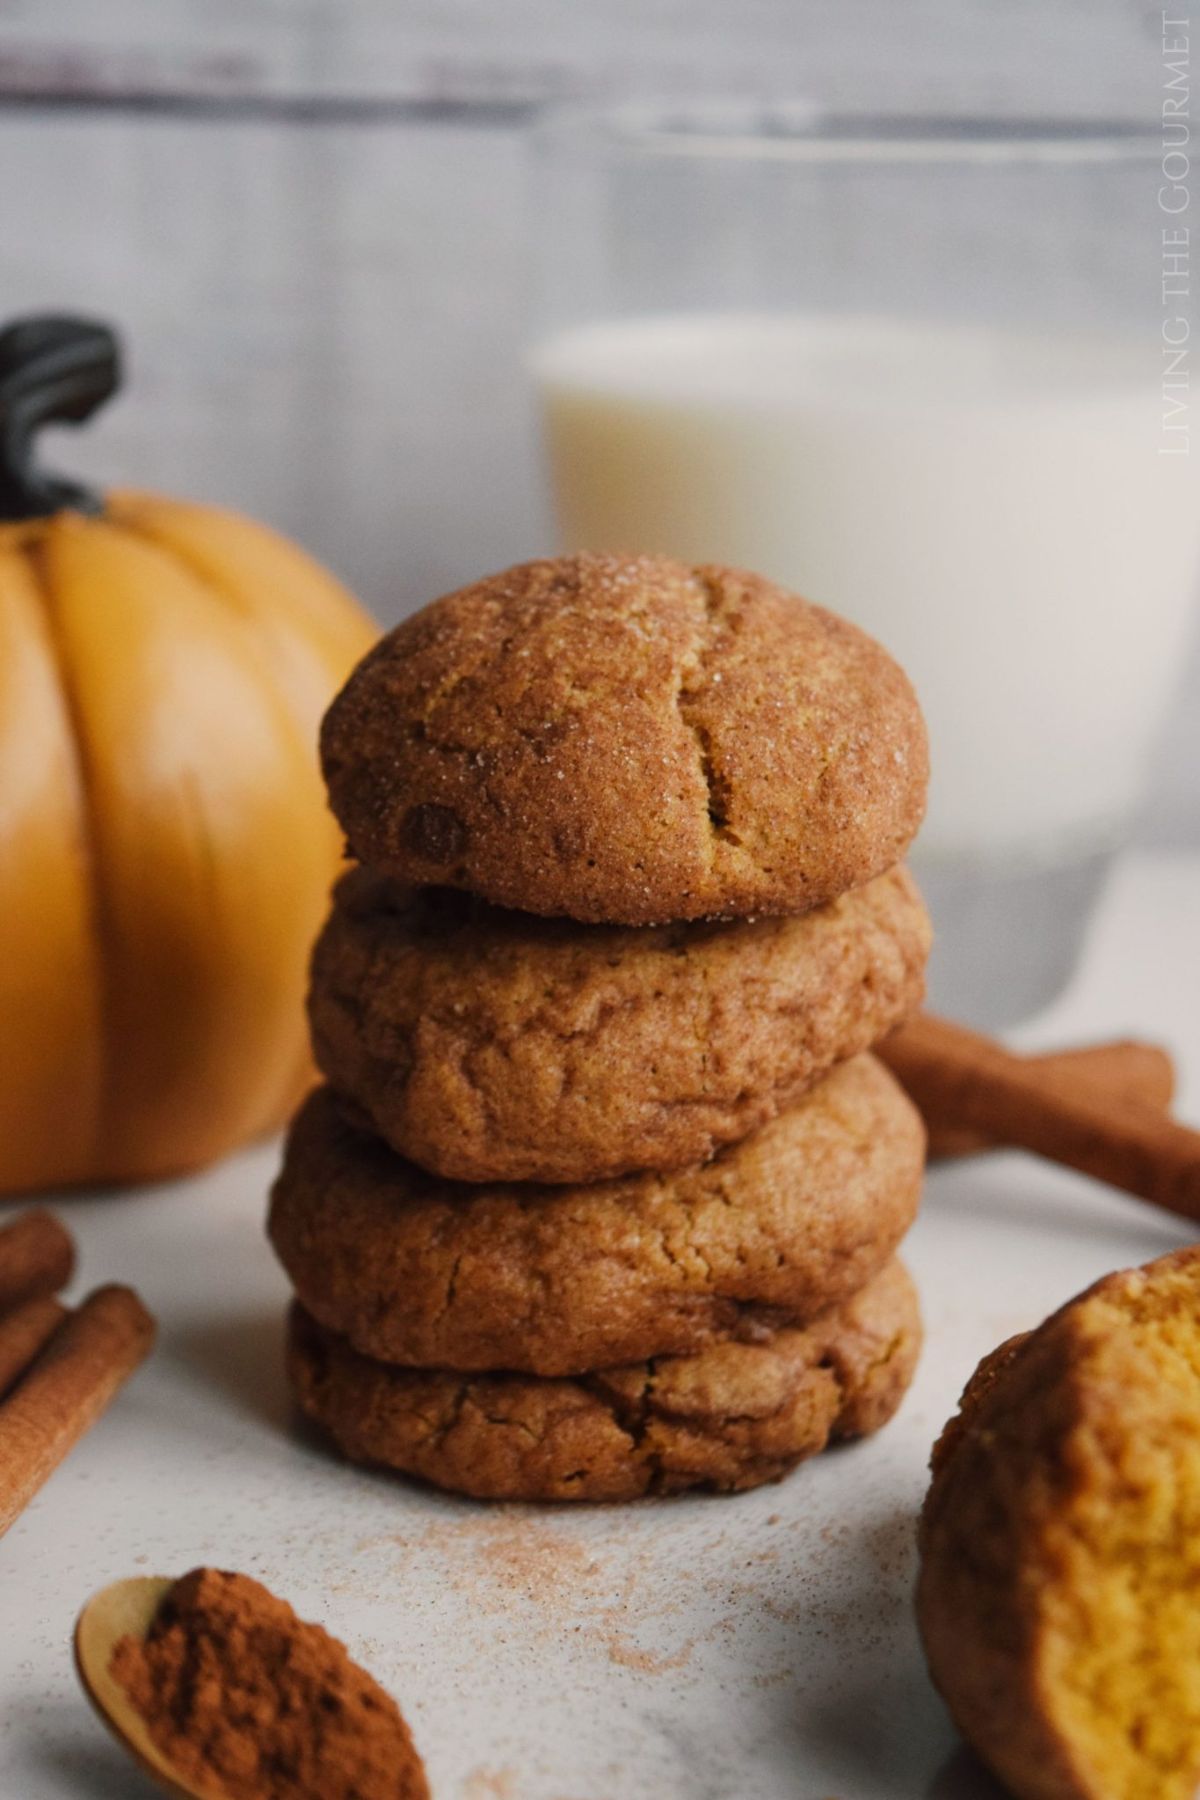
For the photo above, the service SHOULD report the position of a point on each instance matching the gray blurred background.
(312, 220)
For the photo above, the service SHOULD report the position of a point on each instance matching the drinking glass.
(914, 370)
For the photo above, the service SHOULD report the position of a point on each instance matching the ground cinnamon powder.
(249, 1701)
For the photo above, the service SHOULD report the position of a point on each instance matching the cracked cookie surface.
(730, 1417)
(552, 1280)
(487, 1045)
(628, 740)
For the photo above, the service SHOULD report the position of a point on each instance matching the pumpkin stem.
(54, 370)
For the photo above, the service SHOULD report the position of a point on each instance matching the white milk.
(993, 508)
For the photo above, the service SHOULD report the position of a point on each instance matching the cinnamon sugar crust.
(628, 740)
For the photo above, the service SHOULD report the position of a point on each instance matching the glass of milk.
(917, 371)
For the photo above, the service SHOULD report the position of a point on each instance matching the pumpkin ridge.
(301, 1075)
(131, 520)
(134, 525)
(158, 597)
(222, 592)
(146, 516)
(99, 907)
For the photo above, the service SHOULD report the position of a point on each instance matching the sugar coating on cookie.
(487, 1045)
(553, 1280)
(628, 740)
(728, 1418)
(1060, 1547)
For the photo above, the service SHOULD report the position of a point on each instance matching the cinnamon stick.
(1142, 1072)
(971, 1081)
(37, 1256)
(24, 1332)
(92, 1353)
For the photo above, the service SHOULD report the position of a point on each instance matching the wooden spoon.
(127, 1609)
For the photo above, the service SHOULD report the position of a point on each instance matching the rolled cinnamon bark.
(91, 1354)
(37, 1256)
(24, 1332)
(971, 1081)
(1142, 1072)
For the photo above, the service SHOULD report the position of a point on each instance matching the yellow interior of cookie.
(1119, 1668)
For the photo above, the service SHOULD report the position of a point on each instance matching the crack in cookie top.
(628, 740)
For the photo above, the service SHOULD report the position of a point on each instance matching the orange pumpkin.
(165, 849)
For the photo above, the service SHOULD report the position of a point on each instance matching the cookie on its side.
(1060, 1547)
(732, 1417)
(628, 741)
(554, 1280)
(491, 1046)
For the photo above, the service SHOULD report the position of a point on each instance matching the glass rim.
(796, 131)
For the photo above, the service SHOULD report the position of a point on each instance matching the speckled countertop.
(754, 1648)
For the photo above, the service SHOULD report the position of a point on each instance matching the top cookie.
(631, 741)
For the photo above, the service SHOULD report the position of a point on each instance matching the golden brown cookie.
(552, 1280)
(1060, 1547)
(733, 1416)
(493, 1046)
(628, 741)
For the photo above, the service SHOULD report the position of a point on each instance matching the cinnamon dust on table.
(242, 1696)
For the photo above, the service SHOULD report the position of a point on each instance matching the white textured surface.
(753, 1648)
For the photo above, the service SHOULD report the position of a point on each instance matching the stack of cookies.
(604, 1194)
